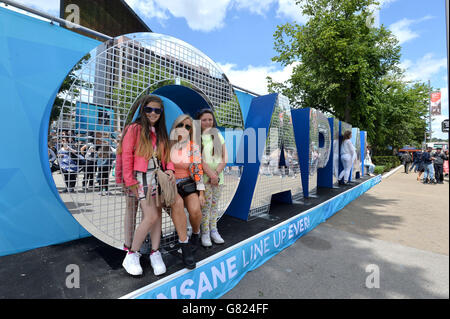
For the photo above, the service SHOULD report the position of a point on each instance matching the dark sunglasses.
(148, 109)
(187, 126)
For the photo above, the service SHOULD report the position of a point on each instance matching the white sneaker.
(216, 238)
(132, 265)
(157, 263)
(206, 240)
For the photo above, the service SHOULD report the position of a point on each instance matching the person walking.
(416, 160)
(428, 177)
(439, 165)
(446, 164)
(406, 159)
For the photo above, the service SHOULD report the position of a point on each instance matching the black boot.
(187, 255)
(194, 241)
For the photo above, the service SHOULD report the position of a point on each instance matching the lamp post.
(429, 109)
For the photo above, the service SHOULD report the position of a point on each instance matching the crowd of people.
(430, 165)
(92, 155)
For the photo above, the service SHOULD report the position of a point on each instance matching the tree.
(345, 67)
(66, 85)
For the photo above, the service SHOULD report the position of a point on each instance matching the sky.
(238, 36)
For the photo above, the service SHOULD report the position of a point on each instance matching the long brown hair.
(346, 135)
(145, 147)
(215, 135)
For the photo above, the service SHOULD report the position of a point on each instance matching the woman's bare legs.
(150, 217)
(179, 218)
(155, 230)
(192, 204)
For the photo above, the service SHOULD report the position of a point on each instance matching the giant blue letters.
(31, 50)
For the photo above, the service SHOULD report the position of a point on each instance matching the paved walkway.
(401, 226)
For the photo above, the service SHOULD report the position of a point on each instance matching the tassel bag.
(165, 189)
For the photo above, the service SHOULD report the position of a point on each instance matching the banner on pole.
(436, 103)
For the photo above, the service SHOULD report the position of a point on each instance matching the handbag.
(166, 190)
(186, 188)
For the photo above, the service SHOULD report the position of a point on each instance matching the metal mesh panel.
(356, 171)
(335, 151)
(275, 178)
(93, 115)
(313, 151)
(366, 171)
(324, 130)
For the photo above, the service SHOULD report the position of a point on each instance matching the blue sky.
(238, 35)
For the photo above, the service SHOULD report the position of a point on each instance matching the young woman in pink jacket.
(142, 141)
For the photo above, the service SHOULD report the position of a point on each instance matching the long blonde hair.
(178, 120)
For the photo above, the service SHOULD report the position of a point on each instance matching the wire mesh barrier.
(105, 84)
(275, 176)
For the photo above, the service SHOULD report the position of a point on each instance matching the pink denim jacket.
(128, 161)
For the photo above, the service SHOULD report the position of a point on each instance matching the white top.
(368, 159)
(348, 148)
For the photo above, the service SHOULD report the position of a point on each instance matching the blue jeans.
(428, 172)
(370, 168)
(415, 166)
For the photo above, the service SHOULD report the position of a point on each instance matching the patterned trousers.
(210, 210)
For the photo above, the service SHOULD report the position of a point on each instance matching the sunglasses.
(148, 109)
(187, 126)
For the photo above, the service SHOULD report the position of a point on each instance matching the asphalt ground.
(392, 242)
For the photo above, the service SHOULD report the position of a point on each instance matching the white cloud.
(48, 6)
(149, 9)
(403, 29)
(424, 68)
(253, 78)
(260, 7)
(206, 15)
(289, 9)
(200, 15)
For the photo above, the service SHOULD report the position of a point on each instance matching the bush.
(387, 161)
(379, 170)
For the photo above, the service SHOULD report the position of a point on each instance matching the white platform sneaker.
(216, 238)
(206, 240)
(157, 263)
(132, 265)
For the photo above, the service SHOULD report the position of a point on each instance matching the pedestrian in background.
(439, 159)
(446, 164)
(428, 177)
(406, 159)
(416, 161)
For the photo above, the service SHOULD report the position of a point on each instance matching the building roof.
(137, 17)
(109, 17)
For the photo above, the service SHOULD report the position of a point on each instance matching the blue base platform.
(218, 274)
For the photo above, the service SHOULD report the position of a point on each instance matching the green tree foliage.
(145, 81)
(348, 68)
(65, 88)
